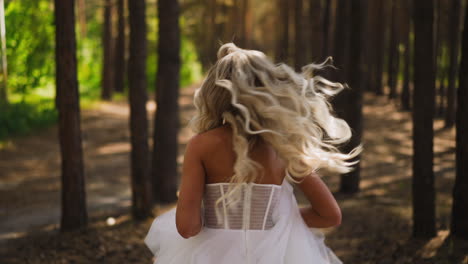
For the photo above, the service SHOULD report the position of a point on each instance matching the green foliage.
(31, 62)
(22, 117)
(30, 44)
(191, 70)
(90, 54)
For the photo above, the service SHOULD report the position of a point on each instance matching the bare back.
(219, 158)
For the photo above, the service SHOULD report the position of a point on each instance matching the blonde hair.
(288, 110)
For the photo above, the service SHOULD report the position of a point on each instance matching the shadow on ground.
(376, 222)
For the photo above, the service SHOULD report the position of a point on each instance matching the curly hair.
(288, 110)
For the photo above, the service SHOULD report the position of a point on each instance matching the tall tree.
(140, 166)
(394, 54)
(377, 33)
(246, 24)
(120, 49)
(342, 36)
(213, 32)
(316, 30)
(4, 72)
(423, 112)
(233, 17)
(74, 213)
(81, 5)
(282, 46)
(326, 28)
(299, 35)
(166, 125)
(349, 102)
(107, 66)
(439, 56)
(459, 224)
(454, 46)
(406, 32)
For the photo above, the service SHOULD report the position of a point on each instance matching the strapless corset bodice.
(253, 211)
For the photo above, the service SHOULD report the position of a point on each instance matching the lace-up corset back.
(254, 211)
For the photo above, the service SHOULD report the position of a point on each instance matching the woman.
(259, 126)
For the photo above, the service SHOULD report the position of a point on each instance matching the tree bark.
(406, 93)
(377, 21)
(74, 215)
(423, 112)
(454, 45)
(246, 22)
(82, 17)
(349, 101)
(107, 66)
(120, 49)
(342, 36)
(326, 29)
(283, 34)
(459, 224)
(394, 54)
(140, 155)
(438, 55)
(300, 50)
(316, 30)
(234, 25)
(166, 124)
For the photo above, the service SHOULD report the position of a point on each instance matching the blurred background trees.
(409, 52)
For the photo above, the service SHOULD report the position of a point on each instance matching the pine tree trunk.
(300, 51)
(459, 225)
(442, 90)
(454, 46)
(107, 66)
(140, 155)
(438, 55)
(166, 124)
(342, 36)
(394, 54)
(376, 49)
(316, 30)
(246, 22)
(349, 102)
(74, 213)
(406, 93)
(234, 26)
(120, 49)
(283, 34)
(380, 48)
(211, 29)
(423, 112)
(82, 17)
(326, 29)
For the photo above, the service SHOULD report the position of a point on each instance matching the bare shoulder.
(209, 139)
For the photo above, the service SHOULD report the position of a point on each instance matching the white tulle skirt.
(290, 241)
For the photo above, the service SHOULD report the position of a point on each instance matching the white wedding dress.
(264, 228)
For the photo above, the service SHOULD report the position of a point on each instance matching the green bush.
(21, 118)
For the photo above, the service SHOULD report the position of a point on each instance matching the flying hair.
(289, 110)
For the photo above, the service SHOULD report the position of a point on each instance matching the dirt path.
(376, 223)
(30, 169)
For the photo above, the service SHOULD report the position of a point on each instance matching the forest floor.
(376, 224)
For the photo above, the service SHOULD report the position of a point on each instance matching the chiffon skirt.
(290, 241)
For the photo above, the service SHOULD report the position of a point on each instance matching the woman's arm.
(188, 212)
(323, 210)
